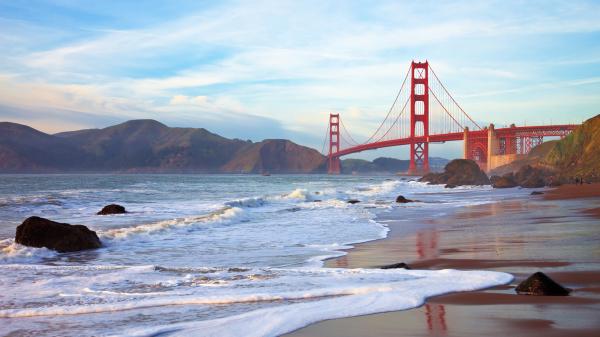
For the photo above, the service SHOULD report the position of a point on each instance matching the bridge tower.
(419, 118)
(334, 144)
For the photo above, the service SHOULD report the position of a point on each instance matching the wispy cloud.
(289, 63)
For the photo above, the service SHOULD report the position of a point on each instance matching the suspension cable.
(453, 100)
(325, 140)
(391, 108)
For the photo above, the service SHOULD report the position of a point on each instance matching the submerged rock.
(353, 201)
(39, 232)
(536, 193)
(112, 209)
(541, 285)
(458, 172)
(395, 266)
(402, 200)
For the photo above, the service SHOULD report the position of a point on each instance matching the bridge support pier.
(334, 166)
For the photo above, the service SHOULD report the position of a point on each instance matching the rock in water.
(458, 172)
(402, 200)
(39, 232)
(353, 201)
(112, 209)
(541, 285)
(395, 266)
(536, 193)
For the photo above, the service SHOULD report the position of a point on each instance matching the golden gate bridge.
(425, 112)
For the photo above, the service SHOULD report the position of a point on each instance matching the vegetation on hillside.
(578, 154)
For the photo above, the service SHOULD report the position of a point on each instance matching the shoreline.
(511, 236)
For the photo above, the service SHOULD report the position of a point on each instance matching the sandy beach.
(556, 233)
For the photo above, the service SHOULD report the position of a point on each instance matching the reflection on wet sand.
(519, 237)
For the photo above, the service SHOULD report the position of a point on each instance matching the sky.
(276, 69)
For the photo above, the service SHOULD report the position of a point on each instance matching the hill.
(276, 156)
(147, 146)
(386, 165)
(576, 155)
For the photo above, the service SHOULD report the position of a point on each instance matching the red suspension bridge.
(425, 112)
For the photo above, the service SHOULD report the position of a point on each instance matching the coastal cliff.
(575, 156)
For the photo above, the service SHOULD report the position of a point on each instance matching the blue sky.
(275, 69)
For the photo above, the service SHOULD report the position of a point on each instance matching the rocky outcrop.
(531, 177)
(541, 285)
(112, 209)
(458, 172)
(505, 181)
(39, 232)
(402, 200)
(527, 176)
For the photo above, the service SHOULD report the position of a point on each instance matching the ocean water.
(213, 255)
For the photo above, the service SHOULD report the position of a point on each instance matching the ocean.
(215, 255)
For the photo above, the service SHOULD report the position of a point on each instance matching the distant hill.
(276, 156)
(148, 146)
(386, 165)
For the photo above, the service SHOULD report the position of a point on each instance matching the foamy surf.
(401, 290)
(214, 252)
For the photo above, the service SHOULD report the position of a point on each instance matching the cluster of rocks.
(61, 237)
(458, 172)
(527, 177)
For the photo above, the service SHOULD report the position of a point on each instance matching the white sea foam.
(104, 289)
(255, 226)
(388, 291)
(220, 215)
(12, 252)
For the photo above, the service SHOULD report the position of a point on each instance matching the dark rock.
(353, 201)
(402, 200)
(395, 266)
(450, 186)
(541, 285)
(112, 209)
(536, 193)
(530, 177)
(458, 172)
(39, 232)
(505, 181)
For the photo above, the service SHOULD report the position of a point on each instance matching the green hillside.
(578, 154)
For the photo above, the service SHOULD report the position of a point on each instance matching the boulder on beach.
(505, 181)
(541, 285)
(458, 172)
(353, 201)
(39, 232)
(400, 265)
(402, 200)
(112, 209)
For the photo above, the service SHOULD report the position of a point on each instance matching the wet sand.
(557, 233)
